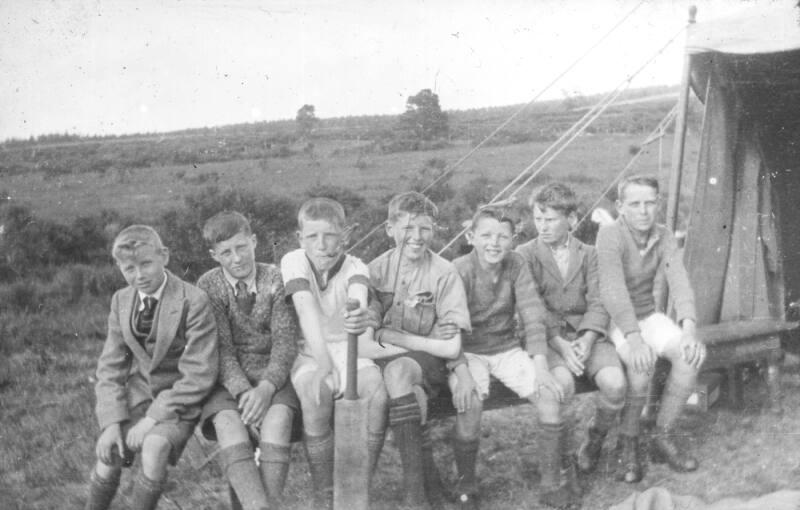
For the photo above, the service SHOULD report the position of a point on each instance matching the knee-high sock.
(567, 432)
(240, 469)
(404, 418)
(606, 412)
(550, 454)
(101, 491)
(319, 450)
(631, 411)
(673, 400)
(274, 465)
(374, 447)
(146, 492)
(465, 452)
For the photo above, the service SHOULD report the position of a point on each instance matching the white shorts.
(658, 331)
(514, 368)
(305, 363)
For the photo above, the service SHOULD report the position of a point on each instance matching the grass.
(49, 429)
(144, 193)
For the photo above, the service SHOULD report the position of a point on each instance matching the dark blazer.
(179, 372)
(574, 300)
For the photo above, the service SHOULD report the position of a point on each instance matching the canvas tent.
(743, 242)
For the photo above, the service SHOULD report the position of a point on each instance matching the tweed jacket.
(255, 347)
(176, 373)
(574, 300)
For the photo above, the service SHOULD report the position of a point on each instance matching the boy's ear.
(254, 239)
(389, 229)
(347, 232)
(165, 255)
(618, 204)
(572, 219)
(470, 235)
(299, 236)
(213, 254)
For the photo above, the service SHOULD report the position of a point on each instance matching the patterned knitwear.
(255, 347)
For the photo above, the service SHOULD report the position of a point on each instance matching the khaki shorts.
(305, 363)
(658, 331)
(177, 434)
(514, 368)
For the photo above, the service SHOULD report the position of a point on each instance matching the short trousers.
(222, 400)
(305, 363)
(434, 370)
(603, 355)
(658, 331)
(177, 434)
(514, 368)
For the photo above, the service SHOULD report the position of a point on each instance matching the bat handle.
(351, 389)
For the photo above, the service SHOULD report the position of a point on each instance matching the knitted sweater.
(255, 347)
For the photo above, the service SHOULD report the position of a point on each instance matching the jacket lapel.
(545, 256)
(127, 300)
(576, 256)
(169, 315)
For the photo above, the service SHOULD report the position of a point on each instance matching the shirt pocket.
(419, 314)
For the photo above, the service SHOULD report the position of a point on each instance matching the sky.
(115, 67)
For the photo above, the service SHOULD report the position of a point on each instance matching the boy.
(319, 278)
(158, 363)
(423, 309)
(257, 342)
(498, 285)
(632, 253)
(565, 271)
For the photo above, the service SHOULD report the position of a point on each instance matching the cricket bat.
(350, 461)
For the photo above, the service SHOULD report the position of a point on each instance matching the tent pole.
(679, 143)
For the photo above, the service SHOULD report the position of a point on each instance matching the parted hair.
(495, 213)
(224, 225)
(641, 180)
(131, 238)
(322, 208)
(413, 203)
(557, 196)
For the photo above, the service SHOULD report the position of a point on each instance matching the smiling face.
(412, 233)
(323, 241)
(144, 268)
(492, 240)
(638, 204)
(236, 255)
(552, 225)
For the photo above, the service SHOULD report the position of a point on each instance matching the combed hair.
(321, 208)
(412, 203)
(488, 211)
(557, 196)
(641, 180)
(134, 237)
(224, 225)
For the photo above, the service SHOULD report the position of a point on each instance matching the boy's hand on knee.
(464, 391)
(583, 346)
(568, 351)
(637, 354)
(136, 434)
(692, 351)
(109, 438)
(253, 403)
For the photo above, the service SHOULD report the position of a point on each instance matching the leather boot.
(664, 450)
(590, 449)
(629, 459)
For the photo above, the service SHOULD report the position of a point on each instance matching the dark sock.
(550, 454)
(240, 469)
(146, 492)
(274, 466)
(673, 400)
(431, 479)
(319, 450)
(101, 491)
(374, 447)
(404, 418)
(631, 411)
(604, 419)
(465, 452)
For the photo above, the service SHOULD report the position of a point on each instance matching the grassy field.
(143, 193)
(46, 442)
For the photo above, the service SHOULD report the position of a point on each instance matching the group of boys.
(255, 347)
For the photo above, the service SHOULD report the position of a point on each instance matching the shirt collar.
(321, 280)
(156, 294)
(250, 281)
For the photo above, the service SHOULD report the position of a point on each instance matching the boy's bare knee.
(548, 406)
(229, 428)
(637, 382)
(155, 455)
(400, 376)
(468, 423)
(611, 382)
(106, 471)
(277, 424)
(370, 383)
(566, 380)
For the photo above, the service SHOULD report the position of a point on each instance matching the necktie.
(244, 299)
(144, 323)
